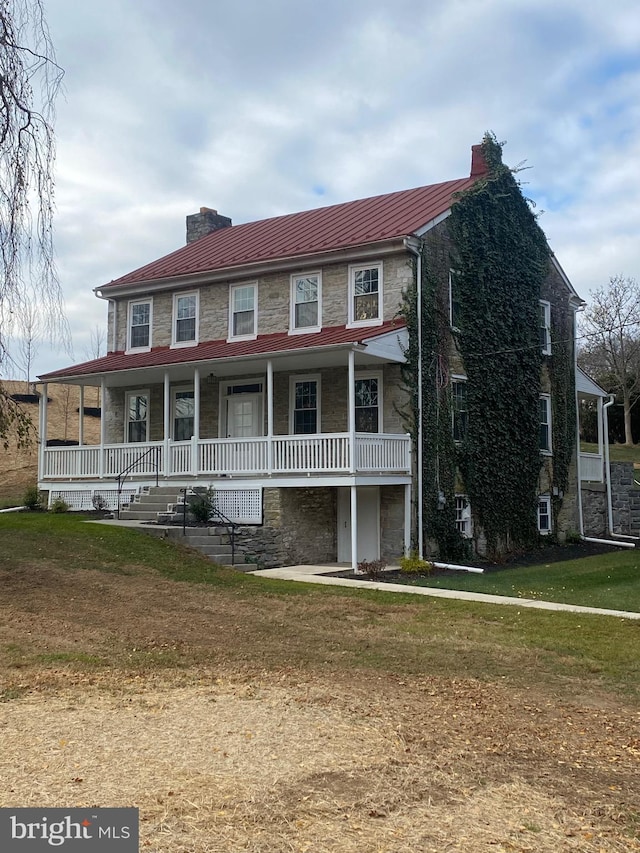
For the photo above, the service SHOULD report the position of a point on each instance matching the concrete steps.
(164, 504)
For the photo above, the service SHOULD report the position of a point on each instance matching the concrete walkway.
(320, 575)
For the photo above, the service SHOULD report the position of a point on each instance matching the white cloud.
(265, 108)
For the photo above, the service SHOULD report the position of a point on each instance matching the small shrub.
(201, 506)
(59, 506)
(372, 568)
(415, 565)
(573, 537)
(99, 502)
(33, 499)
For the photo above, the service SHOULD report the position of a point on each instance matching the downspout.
(575, 394)
(114, 337)
(607, 469)
(413, 245)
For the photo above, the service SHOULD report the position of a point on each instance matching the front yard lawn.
(606, 580)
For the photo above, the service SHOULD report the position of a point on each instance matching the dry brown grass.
(19, 466)
(181, 700)
(280, 764)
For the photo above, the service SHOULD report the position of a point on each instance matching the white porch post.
(43, 429)
(407, 519)
(352, 412)
(81, 416)
(103, 426)
(354, 529)
(269, 416)
(167, 423)
(195, 461)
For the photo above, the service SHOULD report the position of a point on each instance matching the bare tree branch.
(612, 325)
(30, 79)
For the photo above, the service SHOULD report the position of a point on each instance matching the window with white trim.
(139, 327)
(306, 302)
(545, 423)
(185, 318)
(544, 514)
(544, 327)
(463, 516)
(368, 397)
(242, 311)
(365, 294)
(459, 411)
(137, 416)
(183, 413)
(305, 405)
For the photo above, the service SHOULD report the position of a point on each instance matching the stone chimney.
(205, 222)
(478, 163)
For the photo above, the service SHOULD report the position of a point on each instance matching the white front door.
(368, 523)
(243, 415)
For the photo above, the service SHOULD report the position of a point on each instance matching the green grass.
(276, 625)
(617, 452)
(606, 580)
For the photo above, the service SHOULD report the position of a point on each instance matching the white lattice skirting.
(82, 499)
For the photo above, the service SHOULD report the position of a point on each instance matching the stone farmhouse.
(266, 360)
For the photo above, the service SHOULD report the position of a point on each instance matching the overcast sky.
(264, 107)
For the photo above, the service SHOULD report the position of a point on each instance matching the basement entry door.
(368, 523)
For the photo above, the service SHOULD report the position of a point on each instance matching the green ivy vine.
(439, 453)
(501, 260)
(563, 404)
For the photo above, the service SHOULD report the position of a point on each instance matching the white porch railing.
(281, 454)
(591, 467)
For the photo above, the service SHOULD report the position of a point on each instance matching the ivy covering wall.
(501, 259)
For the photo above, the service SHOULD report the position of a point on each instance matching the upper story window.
(545, 423)
(306, 293)
(139, 330)
(137, 416)
(459, 411)
(368, 403)
(544, 327)
(305, 404)
(365, 294)
(243, 311)
(185, 318)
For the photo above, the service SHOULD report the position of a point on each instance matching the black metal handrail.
(217, 515)
(214, 515)
(123, 474)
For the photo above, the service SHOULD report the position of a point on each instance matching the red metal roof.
(340, 226)
(221, 349)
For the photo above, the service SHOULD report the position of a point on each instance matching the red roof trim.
(278, 342)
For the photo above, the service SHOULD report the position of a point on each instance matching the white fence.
(591, 467)
(280, 454)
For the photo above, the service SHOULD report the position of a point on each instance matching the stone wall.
(625, 499)
(300, 527)
(594, 509)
